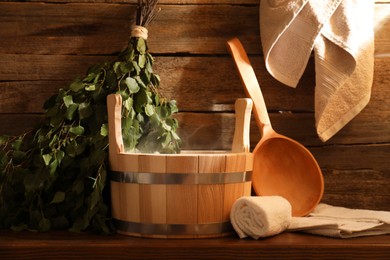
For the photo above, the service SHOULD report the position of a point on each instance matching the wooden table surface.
(66, 245)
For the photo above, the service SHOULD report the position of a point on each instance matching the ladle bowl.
(281, 166)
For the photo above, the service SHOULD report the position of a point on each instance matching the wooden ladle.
(281, 166)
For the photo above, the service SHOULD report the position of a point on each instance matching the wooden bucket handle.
(241, 143)
(114, 110)
(241, 139)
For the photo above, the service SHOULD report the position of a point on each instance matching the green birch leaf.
(77, 130)
(17, 144)
(47, 158)
(95, 69)
(90, 87)
(71, 149)
(132, 85)
(125, 67)
(77, 86)
(18, 156)
(52, 111)
(171, 122)
(166, 126)
(128, 104)
(68, 100)
(53, 166)
(56, 120)
(124, 93)
(89, 77)
(3, 139)
(97, 78)
(127, 123)
(141, 61)
(104, 130)
(132, 113)
(149, 109)
(59, 155)
(85, 110)
(154, 120)
(157, 100)
(140, 81)
(70, 111)
(136, 67)
(59, 196)
(162, 111)
(131, 54)
(146, 76)
(80, 148)
(130, 139)
(99, 93)
(111, 80)
(141, 46)
(155, 79)
(140, 101)
(173, 106)
(167, 140)
(150, 61)
(3, 159)
(140, 118)
(116, 67)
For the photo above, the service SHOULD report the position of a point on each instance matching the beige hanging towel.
(341, 33)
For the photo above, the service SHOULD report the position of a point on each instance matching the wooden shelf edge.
(66, 245)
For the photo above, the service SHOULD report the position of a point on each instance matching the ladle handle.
(249, 80)
(241, 139)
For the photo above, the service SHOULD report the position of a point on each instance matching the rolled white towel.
(260, 216)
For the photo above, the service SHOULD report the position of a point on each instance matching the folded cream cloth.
(342, 222)
(341, 32)
(260, 216)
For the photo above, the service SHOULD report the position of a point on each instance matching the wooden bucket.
(186, 195)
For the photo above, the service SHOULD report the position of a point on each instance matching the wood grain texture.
(64, 245)
(210, 203)
(186, 204)
(129, 196)
(186, 79)
(231, 192)
(153, 201)
(215, 132)
(81, 28)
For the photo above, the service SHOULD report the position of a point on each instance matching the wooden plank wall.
(44, 44)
